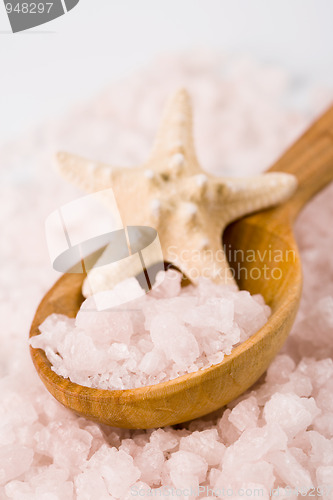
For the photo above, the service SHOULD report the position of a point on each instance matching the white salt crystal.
(291, 412)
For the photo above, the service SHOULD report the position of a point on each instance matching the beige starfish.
(188, 207)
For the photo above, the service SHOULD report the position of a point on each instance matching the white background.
(45, 70)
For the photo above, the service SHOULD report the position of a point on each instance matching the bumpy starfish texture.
(188, 207)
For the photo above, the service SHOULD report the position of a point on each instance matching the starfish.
(187, 206)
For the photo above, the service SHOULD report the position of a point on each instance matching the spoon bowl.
(275, 273)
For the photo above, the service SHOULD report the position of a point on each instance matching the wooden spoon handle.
(310, 159)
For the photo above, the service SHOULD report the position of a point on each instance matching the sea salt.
(176, 335)
(240, 130)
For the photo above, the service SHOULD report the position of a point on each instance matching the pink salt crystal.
(105, 326)
(318, 371)
(140, 438)
(320, 320)
(291, 412)
(290, 471)
(49, 477)
(228, 431)
(280, 369)
(116, 468)
(17, 490)
(125, 292)
(176, 305)
(139, 489)
(129, 447)
(321, 449)
(324, 476)
(249, 315)
(216, 313)
(299, 384)
(66, 445)
(153, 362)
(324, 424)
(205, 444)
(167, 285)
(14, 461)
(52, 483)
(245, 414)
(300, 411)
(81, 354)
(118, 351)
(90, 484)
(254, 444)
(165, 440)
(186, 469)
(261, 473)
(150, 461)
(325, 397)
(174, 339)
(53, 331)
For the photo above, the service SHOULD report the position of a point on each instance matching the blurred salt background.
(280, 433)
(156, 337)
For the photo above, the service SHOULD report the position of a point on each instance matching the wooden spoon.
(268, 234)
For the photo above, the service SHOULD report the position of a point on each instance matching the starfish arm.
(174, 148)
(238, 197)
(199, 255)
(87, 175)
